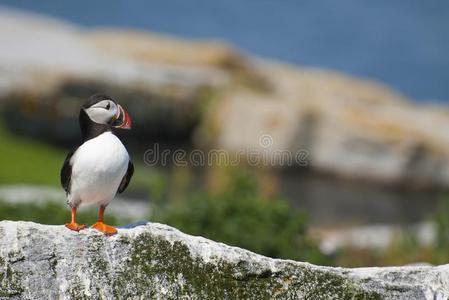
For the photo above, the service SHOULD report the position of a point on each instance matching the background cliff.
(210, 95)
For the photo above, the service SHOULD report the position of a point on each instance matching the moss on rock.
(157, 261)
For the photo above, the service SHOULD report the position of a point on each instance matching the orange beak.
(123, 120)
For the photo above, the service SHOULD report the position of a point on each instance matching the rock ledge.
(157, 261)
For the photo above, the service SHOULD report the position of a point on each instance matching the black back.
(127, 178)
(66, 172)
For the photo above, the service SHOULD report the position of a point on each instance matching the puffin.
(100, 167)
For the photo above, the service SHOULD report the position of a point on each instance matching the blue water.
(404, 43)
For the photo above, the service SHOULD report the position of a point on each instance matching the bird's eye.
(108, 106)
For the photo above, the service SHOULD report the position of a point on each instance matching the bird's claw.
(106, 229)
(75, 226)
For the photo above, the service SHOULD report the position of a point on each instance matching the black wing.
(66, 172)
(127, 178)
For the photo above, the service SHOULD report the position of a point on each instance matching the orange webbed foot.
(75, 226)
(106, 229)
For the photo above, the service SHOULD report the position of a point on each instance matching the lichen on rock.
(157, 261)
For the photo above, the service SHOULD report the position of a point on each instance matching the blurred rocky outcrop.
(159, 262)
(349, 127)
(208, 94)
(47, 68)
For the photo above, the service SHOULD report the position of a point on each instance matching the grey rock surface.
(155, 261)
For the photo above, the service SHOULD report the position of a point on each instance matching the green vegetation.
(405, 248)
(441, 219)
(26, 161)
(240, 215)
(51, 213)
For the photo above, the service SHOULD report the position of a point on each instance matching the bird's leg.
(101, 226)
(73, 225)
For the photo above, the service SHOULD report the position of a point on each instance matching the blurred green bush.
(240, 215)
(405, 248)
(51, 213)
(441, 219)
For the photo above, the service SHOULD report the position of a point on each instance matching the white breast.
(98, 167)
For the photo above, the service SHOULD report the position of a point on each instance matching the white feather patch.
(98, 167)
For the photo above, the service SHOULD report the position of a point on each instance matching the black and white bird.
(100, 167)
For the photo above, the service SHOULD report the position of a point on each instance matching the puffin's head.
(101, 109)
